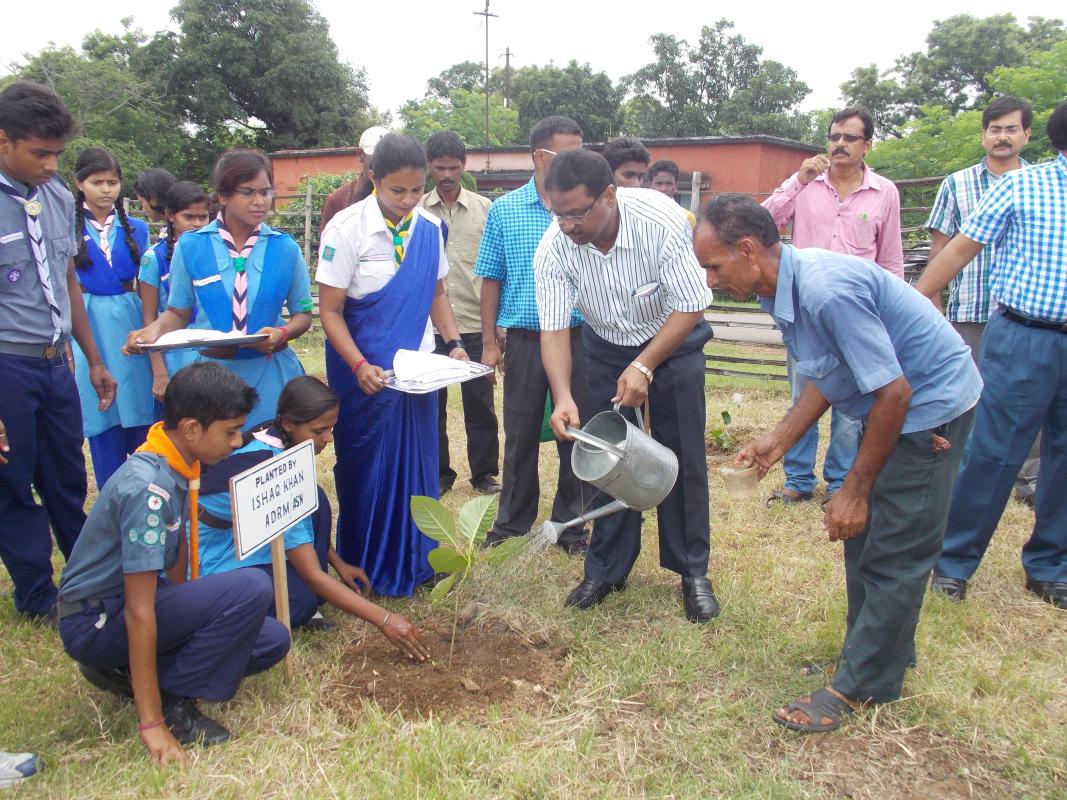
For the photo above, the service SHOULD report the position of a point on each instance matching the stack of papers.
(195, 337)
(419, 373)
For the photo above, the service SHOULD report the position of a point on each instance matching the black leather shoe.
(112, 680)
(189, 726)
(589, 593)
(1054, 592)
(700, 603)
(954, 589)
(576, 547)
(319, 624)
(486, 485)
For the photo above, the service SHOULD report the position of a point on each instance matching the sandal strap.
(823, 703)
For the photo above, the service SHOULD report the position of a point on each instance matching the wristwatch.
(452, 344)
(643, 370)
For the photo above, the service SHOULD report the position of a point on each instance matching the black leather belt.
(68, 608)
(45, 351)
(1029, 322)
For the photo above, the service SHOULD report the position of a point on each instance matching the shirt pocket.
(14, 264)
(860, 232)
(61, 248)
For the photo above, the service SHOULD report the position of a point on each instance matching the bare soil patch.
(740, 435)
(493, 665)
(892, 765)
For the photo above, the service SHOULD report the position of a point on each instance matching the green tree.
(575, 91)
(267, 67)
(719, 86)
(463, 113)
(468, 75)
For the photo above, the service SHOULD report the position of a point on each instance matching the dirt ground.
(492, 665)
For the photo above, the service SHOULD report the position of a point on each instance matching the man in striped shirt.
(1005, 132)
(1024, 363)
(624, 258)
(837, 203)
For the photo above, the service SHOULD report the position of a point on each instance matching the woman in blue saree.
(381, 262)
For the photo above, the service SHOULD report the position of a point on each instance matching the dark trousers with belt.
(479, 420)
(677, 407)
(888, 565)
(1025, 374)
(525, 389)
(210, 633)
(40, 409)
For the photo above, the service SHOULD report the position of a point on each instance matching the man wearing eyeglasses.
(511, 341)
(624, 258)
(835, 202)
(1005, 132)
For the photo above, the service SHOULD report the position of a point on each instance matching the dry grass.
(646, 706)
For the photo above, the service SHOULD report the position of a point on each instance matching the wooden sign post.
(266, 501)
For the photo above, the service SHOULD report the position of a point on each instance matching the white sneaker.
(15, 767)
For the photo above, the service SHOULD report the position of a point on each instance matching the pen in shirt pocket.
(646, 290)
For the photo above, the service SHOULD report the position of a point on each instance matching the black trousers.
(479, 420)
(887, 566)
(677, 407)
(525, 389)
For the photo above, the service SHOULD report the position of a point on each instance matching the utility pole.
(487, 15)
(507, 76)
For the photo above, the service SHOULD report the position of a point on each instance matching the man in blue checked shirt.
(1023, 358)
(511, 337)
(1005, 132)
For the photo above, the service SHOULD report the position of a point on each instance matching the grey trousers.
(1026, 481)
(525, 389)
(888, 565)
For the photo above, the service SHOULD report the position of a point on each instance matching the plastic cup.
(741, 482)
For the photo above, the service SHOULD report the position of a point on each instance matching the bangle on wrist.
(285, 337)
(359, 364)
(385, 620)
(147, 726)
(643, 370)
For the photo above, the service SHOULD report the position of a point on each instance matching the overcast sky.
(823, 42)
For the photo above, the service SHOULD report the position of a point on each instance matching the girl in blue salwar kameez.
(109, 251)
(380, 268)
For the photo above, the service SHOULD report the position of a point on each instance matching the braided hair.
(179, 197)
(91, 161)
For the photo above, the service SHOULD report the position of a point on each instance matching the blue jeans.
(1025, 374)
(799, 460)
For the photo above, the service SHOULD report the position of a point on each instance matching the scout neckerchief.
(33, 208)
(159, 443)
(240, 278)
(104, 230)
(400, 234)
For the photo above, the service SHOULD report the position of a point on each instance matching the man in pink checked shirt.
(835, 202)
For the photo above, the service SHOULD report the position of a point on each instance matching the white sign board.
(271, 497)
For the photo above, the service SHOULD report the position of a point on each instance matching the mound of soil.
(491, 665)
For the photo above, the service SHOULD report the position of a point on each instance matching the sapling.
(460, 546)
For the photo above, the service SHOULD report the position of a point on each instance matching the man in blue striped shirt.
(624, 258)
(511, 341)
(1024, 361)
(1005, 132)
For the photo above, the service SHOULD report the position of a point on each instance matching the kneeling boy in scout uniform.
(160, 639)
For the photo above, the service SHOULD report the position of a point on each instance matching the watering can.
(622, 460)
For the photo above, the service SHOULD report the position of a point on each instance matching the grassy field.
(644, 705)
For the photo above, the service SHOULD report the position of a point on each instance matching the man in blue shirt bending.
(877, 351)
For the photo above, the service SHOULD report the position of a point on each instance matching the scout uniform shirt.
(134, 526)
(24, 315)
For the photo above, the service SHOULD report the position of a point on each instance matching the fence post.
(307, 223)
(694, 194)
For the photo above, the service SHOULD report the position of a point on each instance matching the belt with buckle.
(68, 608)
(1029, 322)
(45, 351)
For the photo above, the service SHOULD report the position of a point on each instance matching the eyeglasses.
(579, 218)
(546, 150)
(998, 130)
(851, 138)
(248, 193)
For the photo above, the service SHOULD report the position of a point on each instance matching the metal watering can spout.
(554, 529)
